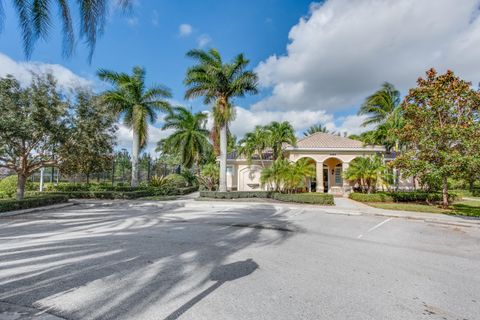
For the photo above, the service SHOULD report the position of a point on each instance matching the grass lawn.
(464, 208)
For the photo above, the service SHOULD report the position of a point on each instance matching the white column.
(319, 177)
(41, 179)
(346, 185)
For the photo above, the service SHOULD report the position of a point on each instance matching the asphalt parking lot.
(219, 260)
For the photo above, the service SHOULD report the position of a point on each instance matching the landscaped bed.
(310, 198)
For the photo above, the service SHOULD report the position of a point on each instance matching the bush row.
(235, 194)
(401, 196)
(27, 203)
(313, 198)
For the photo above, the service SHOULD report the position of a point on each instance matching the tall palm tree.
(35, 19)
(280, 133)
(219, 82)
(314, 129)
(190, 137)
(380, 105)
(138, 105)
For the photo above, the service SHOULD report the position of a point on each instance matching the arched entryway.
(310, 181)
(333, 176)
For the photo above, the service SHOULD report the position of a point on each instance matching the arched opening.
(332, 175)
(310, 173)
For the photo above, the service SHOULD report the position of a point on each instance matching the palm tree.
(366, 171)
(137, 104)
(218, 83)
(305, 167)
(280, 133)
(190, 137)
(380, 105)
(255, 143)
(314, 129)
(35, 21)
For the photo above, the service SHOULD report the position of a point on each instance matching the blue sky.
(316, 61)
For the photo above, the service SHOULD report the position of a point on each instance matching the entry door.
(325, 180)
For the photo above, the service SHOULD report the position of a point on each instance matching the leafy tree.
(442, 128)
(380, 105)
(91, 139)
(35, 19)
(367, 172)
(138, 105)
(314, 129)
(123, 162)
(33, 121)
(218, 83)
(279, 134)
(190, 137)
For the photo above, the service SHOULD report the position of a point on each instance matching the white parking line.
(375, 227)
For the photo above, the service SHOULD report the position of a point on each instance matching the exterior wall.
(232, 177)
(249, 177)
(246, 177)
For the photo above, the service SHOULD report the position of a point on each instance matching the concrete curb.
(38, 209)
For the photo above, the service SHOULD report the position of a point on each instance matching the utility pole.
(41, 179)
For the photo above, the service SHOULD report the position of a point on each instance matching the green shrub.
(235, 194)
(311, 198)
(3, 195)
(8, 186)
(177, 181)
(401, 196)
(105, 194)
(27, 203)
(314, 198)
(371, 197)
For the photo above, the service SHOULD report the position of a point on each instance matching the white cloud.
(345, 49)
(203, 40)
(23, 71)
(184, 30)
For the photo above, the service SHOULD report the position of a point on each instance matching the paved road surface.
(218, 260)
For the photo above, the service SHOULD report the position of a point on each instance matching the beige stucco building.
(331, 154)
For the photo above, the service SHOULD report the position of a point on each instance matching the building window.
(230, 170)
(338, 175)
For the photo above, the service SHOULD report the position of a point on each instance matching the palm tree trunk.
(135, 152)
(223, 159)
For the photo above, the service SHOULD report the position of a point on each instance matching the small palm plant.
(138, 105)
(190, 137)
(366, 172)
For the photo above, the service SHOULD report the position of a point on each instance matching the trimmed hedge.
(372, 197)
(104, 194)
(400, 196)
(235, 194)
(312, 198)
(27, 203)
(138, 193)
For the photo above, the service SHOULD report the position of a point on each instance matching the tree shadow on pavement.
(119, 262)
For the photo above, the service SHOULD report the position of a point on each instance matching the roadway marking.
(375, 227)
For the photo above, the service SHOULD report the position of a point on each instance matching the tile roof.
(328, 141)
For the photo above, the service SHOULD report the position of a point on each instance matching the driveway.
(223, 260)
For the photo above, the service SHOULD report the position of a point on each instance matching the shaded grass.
(463, 208)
